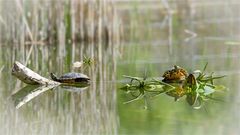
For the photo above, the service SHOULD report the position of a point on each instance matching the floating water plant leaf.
(220, 88)
(152, 88)
(143, 88)
(126, 87)
(200, 90)
(133, 78)
(208, 90)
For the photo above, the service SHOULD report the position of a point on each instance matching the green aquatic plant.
(88, 61)
(201, 88)
(140, 88)
(197, 88)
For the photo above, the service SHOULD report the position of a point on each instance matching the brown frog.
(175, 75)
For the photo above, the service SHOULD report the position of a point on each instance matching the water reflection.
(29, 92)
(60, 110)
(65, 109)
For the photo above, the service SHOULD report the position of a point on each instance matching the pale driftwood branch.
(30, 77)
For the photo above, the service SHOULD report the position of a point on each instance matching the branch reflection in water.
(29, 92)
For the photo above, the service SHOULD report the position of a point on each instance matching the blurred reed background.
(193, 32)
(44, 21)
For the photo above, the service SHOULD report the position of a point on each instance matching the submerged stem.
(138, 97)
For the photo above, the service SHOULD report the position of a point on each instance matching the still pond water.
(99, 108)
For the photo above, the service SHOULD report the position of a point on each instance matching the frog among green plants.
(197, 86)
(176, 74)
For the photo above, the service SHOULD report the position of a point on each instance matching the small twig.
(159, 94)
(205, 67)
(163, 83)
(214, 99)
(213, 78)
(154, 90)
(133, 78)
(140, 95)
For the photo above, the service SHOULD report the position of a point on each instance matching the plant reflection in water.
(197, 87)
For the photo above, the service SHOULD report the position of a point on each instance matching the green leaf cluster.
(197, 88)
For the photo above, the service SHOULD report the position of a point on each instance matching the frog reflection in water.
(176, 77)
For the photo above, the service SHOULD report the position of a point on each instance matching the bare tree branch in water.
(30, 77)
